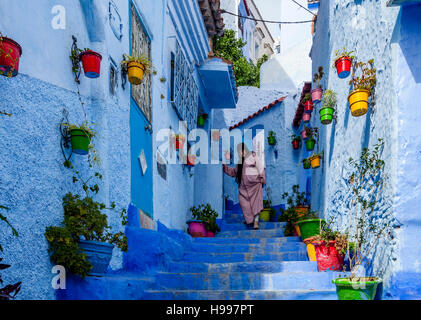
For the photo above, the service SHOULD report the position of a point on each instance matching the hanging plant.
(179, 140)
(343, 62)
(91, 62)
(315, 160)
(306, 164)
(137, 67)
(316, 93)
(295, 140)
(81, 137)
(272, 138)
(201, 119)
(328, 107)
(308, 103)
(10, 53)
(362, 87)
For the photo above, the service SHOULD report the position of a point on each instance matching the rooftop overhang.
(212, 17)
(219, 83)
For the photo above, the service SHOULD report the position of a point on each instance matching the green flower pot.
(326, 115)
(265, 215)
(361, 290)
(307, 164)
(201, 121)
(310, 227)
(310, 143)
(271, 141)
(80, 141)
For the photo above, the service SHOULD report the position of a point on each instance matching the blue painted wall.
(390, 35)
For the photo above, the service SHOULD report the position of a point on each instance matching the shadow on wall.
(365, 139)
(332, 140)
(411, 38)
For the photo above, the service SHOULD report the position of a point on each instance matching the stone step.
(236, 239)
(240, 295)
(258, 266)
(225, 226)
(247, 281)
(248, 247)
(299, 255)
(252, 233)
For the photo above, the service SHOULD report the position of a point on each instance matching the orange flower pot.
(315, 162)
(358, 102)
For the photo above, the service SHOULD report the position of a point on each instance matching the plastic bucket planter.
(310, 227)
(308, 107)
(91, 62)
(343, 67)
(358, 102)
(297, 231)
(364, 289)
(310, 144)
(302, 210)
(197, 229)
(315, 162)
(306, 164)
(135, 71)
(98, 254)
(306, 117)
(80, 141)
(304, 135)
(272, 141)
(296, 144)
(316, 94)
(264, 215)
(311, 251)
(10, 52)
(326, 115)
(328, 257)
(201, 121)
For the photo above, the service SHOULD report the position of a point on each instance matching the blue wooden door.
(141, 121)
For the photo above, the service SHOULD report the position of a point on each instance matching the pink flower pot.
(304, 135)
(210, 234)
(306, 117)
(328, 258)
(316, 94)
(197, 229)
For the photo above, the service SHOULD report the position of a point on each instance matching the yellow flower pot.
(297, 230)
(311, 251)
(315, 162)
(358, 102)
(136, 71)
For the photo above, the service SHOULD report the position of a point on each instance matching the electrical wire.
(266, 21)
(303, 7)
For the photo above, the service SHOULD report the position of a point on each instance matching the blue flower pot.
(98, 254)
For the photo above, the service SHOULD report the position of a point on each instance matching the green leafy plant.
(291, 217)
(207, 215)
(142, 59)
(329, 99)
(311, 133)
(328, 234)
(317, 154)
(367, 80)
(318, 77)
(342, 54)
(296, 198)
(307, 97)
(306, 163)
(366, 184)
(4, 219)
(230, 48)
(9, 56)
(295, 137)
(83, 220)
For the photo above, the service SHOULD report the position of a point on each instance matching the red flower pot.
(304, 135)
(308, 107)
(316, 94)
(328, 258)
(296, 144)
(343, 67)
(191, 160)
(210, 234)
(10, 52)
(91, 62)
(306, 117)
(179, 142)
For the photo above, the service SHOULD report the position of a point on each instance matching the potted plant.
(362, 87)
(306, 117)
(91, 62)
(364, 230)
(179, 140)
(298, 202)
(137, 67)
(204, 221)
(311, 134)
(201, 119)
(328, 107)
(81, 136)
(306, 164)
(315, 160)
(268, 212)
(295, 140)
(10, 53)
(83, 244)
(316, 94)
(343, 62)
(310, 227)
(330, 247)
(272, 138)
(308, 103)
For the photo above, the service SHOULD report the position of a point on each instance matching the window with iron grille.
(184, 93)
(141, 94)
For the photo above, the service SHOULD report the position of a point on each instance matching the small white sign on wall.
(143, 163)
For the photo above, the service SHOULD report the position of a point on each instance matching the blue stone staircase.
(240, 264)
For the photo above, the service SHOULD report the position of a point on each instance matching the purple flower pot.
(197, 229)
